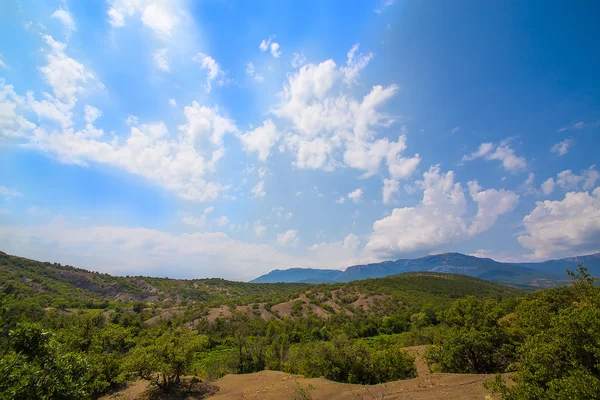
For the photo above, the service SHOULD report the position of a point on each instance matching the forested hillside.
(70, 333)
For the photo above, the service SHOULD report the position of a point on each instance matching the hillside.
(53, 284)
(544, 274)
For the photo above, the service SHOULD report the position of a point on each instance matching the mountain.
(542, 274)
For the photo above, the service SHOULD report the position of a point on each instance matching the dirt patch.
(167, 315)
(141, 390)
(220, 312)
(273, 385)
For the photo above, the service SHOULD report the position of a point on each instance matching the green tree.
(38, 368)
(164, 357)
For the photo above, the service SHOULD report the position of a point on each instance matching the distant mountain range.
(542, 274)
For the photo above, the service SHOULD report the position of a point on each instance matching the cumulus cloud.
(287, 238)
(491, 203)
(12, 107)
(258, 191)
(390, 187)
(501, 152)
(65, 18)
(197, 221)
(177, 163)
(354, 64)
(563, 227)
(259, 228)
(356, 195)
(326, 121)
(251, 71)
(548, 186)
(562, 148)
(214, 73)
(435, 221)
(160, 59)
(439, 219)
(270, 44)
(586, 180)
(261, 139)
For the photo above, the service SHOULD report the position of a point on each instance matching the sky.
(225, 139)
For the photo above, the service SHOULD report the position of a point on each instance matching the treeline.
(550, 339)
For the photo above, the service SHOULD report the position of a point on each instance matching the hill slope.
(544, 274)
(53, 284)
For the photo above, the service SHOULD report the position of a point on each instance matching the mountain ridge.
(541, 274)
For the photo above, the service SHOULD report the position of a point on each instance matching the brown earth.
(275, 385)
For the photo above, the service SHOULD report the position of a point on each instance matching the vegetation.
(72, 334)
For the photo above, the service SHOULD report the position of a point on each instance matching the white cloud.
(548, 186)
(384, 4)
(567, 180)
(356, 195)
(502, 152)
(173, 102)
(326, 121)
(194, 221)
(65, 18)
(177, 164)
(455, 129)
(288, 238)
(258, 191)
(261, 139)
(341, 200)
(562, 148)
(438, 219)
(213, 70)
(12, 123)
(2, 62)
(160, 59)
(298, 193)
(159, 19)
(354, 64)
(91, 113)
(65, 75)
(298, 60)
(491, 204)
(579, 125)
(566, 227)
(528, 187)
(390, 186)
(251, 71)
(9, 193)
(197, 221)
(222, 221)
(269, 44)
(435, 221)
(319, 194)
(259, 228)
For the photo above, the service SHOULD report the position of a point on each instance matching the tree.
(164, 357)
(563, 360)
(38, 368)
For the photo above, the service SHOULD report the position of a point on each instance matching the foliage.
(164, 357)
(562, 360)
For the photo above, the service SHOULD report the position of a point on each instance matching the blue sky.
(220, 138)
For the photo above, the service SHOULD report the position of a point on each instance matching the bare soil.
(275, 385)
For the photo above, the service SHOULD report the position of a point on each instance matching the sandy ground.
(274, 385)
